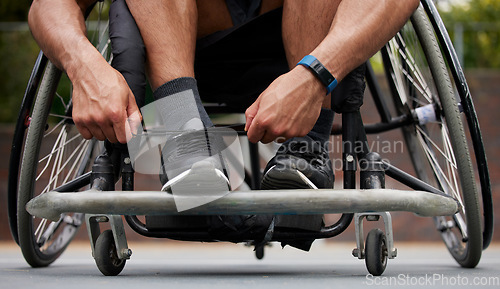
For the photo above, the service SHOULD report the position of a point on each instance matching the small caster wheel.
(105, 255)
(376, 252)
(259, 252)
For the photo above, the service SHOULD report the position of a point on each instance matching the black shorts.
(243, 11)
(234, 66)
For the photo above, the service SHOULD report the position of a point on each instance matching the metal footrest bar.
(324, 201)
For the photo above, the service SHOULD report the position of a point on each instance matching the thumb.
(134, 118)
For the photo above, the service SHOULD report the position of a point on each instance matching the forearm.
(58, 26)
(360, 28)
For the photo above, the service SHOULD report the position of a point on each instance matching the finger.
(110, 133)
(268, 137)
(97, 132)
(123, 130)
(86, 134)
(133, 125)
(256, 131)
(121, 124)
(134, 118)
(117, 132)
(250, 113)
(81, 127)
(248, 122)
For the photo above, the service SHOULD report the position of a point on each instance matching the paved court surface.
(168, 264)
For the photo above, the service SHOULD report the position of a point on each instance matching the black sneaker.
(300, 163)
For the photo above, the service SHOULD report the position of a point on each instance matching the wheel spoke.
(59, 147)
(72, 172)
(430, 140)
(55, 147)
(420, 84)
(66, 106)
(40, 228)
(60, 168)
(438, 171)
(54, 128)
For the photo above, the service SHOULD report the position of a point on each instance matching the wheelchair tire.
(42, 170)
(106, 256)
(18, 141)
(419, 81)
(376, 252)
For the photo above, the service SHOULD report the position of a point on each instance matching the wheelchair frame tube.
(409, 180)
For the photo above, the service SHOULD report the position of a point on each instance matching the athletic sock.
(323, 126)
(179, 103)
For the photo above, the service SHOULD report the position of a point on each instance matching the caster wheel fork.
(379, 246)
(109, 248)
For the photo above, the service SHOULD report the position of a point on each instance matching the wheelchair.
(52, 170)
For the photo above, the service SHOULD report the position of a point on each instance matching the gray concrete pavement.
(169, 264)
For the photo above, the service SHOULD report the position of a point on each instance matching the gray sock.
(180, 103)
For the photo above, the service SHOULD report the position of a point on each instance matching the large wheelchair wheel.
(436, 141)
(52, 155)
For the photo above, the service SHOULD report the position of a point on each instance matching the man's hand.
(103, 105)
(289, 107)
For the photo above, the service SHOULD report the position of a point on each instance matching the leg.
(169, 29)
(169, 37)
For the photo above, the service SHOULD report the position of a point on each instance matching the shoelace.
(193, 143)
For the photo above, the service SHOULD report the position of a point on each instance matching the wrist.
(309, 84)
(320, 72)
(80, 64)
